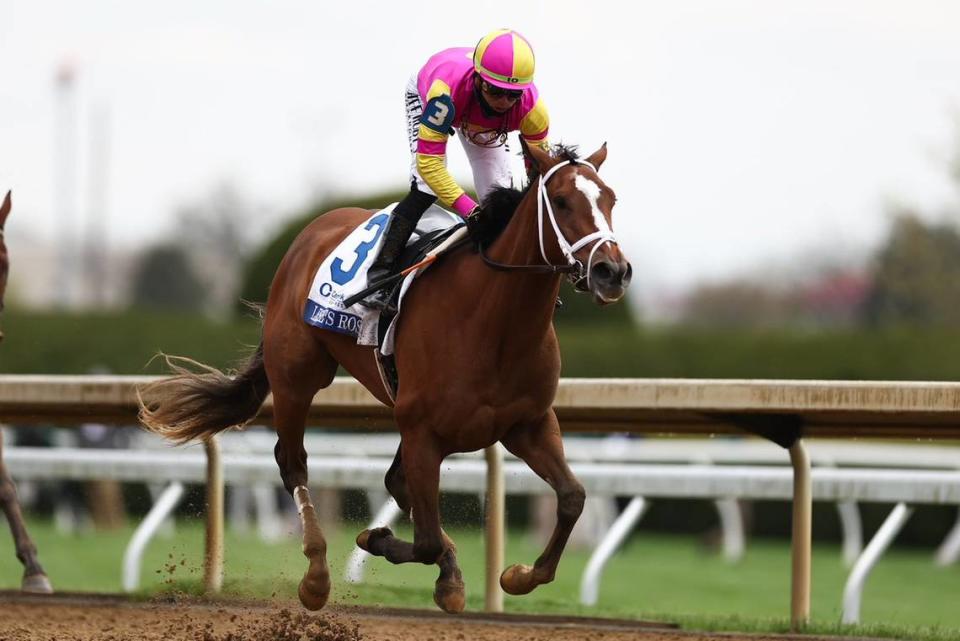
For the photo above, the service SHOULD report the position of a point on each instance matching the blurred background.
(788, 174)
(790, 167)
(788, 177)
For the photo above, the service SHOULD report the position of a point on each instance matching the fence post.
(213, 558)
(494, 528)
(802, 519)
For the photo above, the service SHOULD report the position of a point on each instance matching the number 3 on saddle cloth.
(344, 273)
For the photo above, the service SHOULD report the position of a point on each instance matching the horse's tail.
(196, 405)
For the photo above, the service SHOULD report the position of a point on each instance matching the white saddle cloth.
(344, 273)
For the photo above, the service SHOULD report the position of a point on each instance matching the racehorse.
(34, 578)
(477, 357)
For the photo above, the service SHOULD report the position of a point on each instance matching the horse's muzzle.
(609, 280)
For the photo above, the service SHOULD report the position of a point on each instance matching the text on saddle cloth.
(344, 273)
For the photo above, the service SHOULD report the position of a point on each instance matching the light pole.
(65, 182)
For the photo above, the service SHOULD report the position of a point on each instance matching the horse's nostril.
(628, 275)
(603, 272)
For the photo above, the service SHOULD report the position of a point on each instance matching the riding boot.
(403, 220)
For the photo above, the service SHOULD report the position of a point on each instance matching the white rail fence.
(782, 410)
(643, 482)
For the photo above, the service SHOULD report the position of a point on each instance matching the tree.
(164, 279)
(740, 303)
(916, 275)
(216, 234)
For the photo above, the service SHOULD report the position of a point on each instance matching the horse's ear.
(540, 160)
(596, 158)
(4, 210)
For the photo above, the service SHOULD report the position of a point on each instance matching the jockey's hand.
(476, 224)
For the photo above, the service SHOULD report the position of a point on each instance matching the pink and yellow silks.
(504, 59)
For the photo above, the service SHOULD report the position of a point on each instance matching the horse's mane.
(565, 152)
(500, 203)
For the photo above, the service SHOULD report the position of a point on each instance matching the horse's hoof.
(36, 584)
(310, 600)
(315, 586)
(363, 539)
(450, 596)
(518, 579)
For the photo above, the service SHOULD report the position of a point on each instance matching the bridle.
(575, 269)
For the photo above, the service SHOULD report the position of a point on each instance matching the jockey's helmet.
(504, 59)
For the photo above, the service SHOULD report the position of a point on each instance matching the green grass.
(654, 577)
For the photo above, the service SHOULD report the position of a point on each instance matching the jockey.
(481, 95)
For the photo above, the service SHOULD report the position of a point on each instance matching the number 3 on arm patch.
(438, 114)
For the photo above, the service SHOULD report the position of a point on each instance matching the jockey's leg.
(491, 166)
(407, 213)
(403, 220)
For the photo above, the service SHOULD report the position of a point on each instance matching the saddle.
(343, 275)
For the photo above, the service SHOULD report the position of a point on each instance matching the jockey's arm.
(435, 127)
(433, 170)
(436, 124)
(535, 126)
(534, 129)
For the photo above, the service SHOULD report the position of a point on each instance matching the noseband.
(574, 267)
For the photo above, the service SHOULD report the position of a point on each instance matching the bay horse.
(477, 358)
(34, 578)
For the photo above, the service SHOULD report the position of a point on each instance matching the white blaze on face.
(591, 190)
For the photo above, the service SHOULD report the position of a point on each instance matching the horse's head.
(4, 259)
(574, 206)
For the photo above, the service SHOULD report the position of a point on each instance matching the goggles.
(496, 92)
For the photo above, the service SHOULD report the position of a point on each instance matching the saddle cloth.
(344, 273)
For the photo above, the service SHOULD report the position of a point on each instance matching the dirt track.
(89, 618)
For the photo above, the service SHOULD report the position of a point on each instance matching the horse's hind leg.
(414, 481)
(541, 447)
(34, 578)
(294, 383)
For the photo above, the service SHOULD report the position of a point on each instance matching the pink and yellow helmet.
(504, 58)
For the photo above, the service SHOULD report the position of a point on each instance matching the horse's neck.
(519, 244)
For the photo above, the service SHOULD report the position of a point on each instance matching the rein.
(573, 264)
(537, 269)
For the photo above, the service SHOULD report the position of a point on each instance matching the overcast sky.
(739, 132)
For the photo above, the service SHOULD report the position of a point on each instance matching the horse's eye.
(560, 202)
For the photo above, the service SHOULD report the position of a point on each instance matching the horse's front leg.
(34, 578)
(539, 444)
(414, 481)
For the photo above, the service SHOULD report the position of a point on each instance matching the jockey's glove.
(477, 223)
